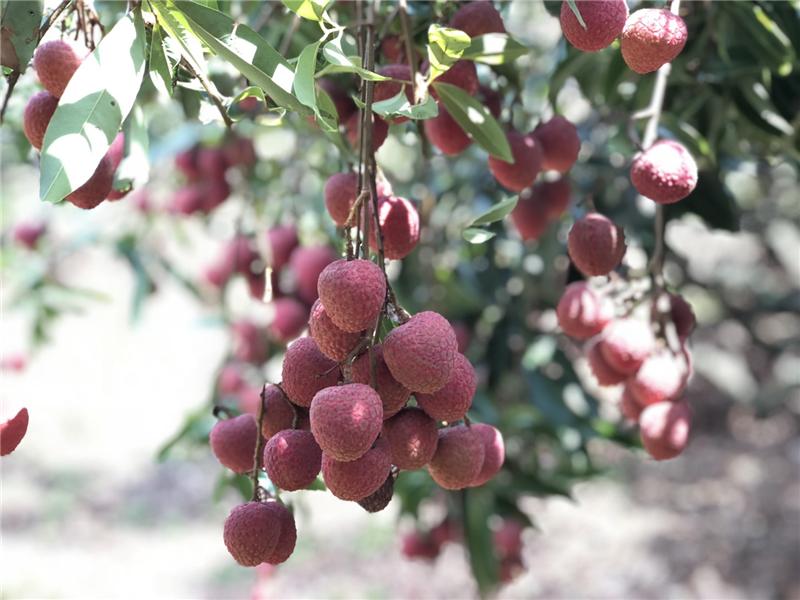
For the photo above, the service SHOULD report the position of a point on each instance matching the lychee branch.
(259, 444)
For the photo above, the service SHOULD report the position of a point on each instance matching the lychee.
(211, 162)
(28, 234)
(353, 293)
(380, 130)
(333, 342)
(186, 200)
(393, 49)
(307, 263)
(661, 377)
(281, 241)
(257, 285)
(346, 419)
(292, 459)
(412, 438)
(380, 498)
(249, 342)
(626, 343)
(596, 244)
(420, 353)
(604, 21)
(240, 151)
(508, 538)
(681, 314)
(652, 37)
(554, 195)
(287, 538)
(213, 193)
(306, 371)
(458, 458)
(248, 397)
(603, 372)
(289, 320)
(278, 412)
(55, 63)
(38, 112)
(664, 429)
(527, 155)
(582, 312)
(446, 134)
(230, 379)
(251, 532)
(359, 478)
(665, 172)
(96, 188)
(559, 142)
(530, 216)
(399, 226)
(116, 151)
(629, 407)
(12, 432)
(418, 545)
(233, 442)
(451, 402)
(393, 394)
(461, 74)
(389, 89)
(341, 190)
(478, 18)
(491, 99)
(494, 452)
(345, 107)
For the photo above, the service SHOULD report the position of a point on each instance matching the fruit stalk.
(259, 444)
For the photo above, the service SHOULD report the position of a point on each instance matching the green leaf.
(399, 105)
(164, 57)
(494, 49)
(177, 27)
(134, 170)
(445, 47)
(574, 8)
(305, 87)
(478, 504)
(308, 9)
(496, 212)
(95, 103)
(342, 62)
(20, 32)
(476, 235)
(475, 119)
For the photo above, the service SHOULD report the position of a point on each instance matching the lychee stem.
(259, 444)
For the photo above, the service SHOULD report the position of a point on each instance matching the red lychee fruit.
(665, 172)
(333, 342)
(661, 377)
(55, 63)
(380, 130)
(187, 200)
(289, 320)
(626, 343)
(478, 18)
(664, 429)
(461, 74)
(116, 151)
(357, 479)
(560, 144)
(252, 531)
(452, 402)
(393, 395)
(233, 442)
(596, 244)
(491, 99)
(389, 89)
(307, 263)
(629, 407)
(96, 188)
(458, 458)
(12, 432)
(28, 234)
(212, 163)
(352, 292)
(530, 216)
(345, 107)
(393, 49)
(604, 21)
(554, 195)
(346, 419)
(38, 112)
(602, 371)
(415, 544)
(527, 155)
(186, 162)
(380, 498)
(399, 225)
(281, 241)
(582, 312)
(249, 342)
(231, 379)
(420, 353)
(292, 459)
(508, 538)
(340, 194)
(278, 412)
(257, 285)
(248, 398)
(494, 452)
(446, 134)
(652, 37)
(306, 371)
(241, 254)
(681, 314)
(240, 151)
(287, 538)
(412, 438)
(213, 193)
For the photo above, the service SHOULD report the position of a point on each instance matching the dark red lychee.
(451, 402)
(604, 21)
(527, 163)
(55, 63)
(346, 419)
(353, 293)
(393, 395)
(306, 371)
(596, 244)
(458, 458)
(96, 188)
(278, 412)
(307, 262)
(582, 312)
(233, 442)
(292, 459)
(560, 144)
(389, 89)
(251, 532)
(412, 438)
(38, 112)
(478, 18)
(661, 377)
(12, 431)
(494, 452)
(281, 241)
(380, 130)
(399, 226)
(357, 479)
(289, 320)
(665, 172)
(446, 134)
(340, 194)
(601, 369)
(333, 342)
(652, 37)
(626, 343)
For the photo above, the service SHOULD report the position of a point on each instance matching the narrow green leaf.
(336, 54)
(574, 8)
(494, 49)
(94, 105)
(308, 9)
(496, 212)
(19, 24)
(134, 170)
(477, 505)
(177, 27)
(304, 87)
(161, 70)
(399, 105)
(445, 47)
(476, 235)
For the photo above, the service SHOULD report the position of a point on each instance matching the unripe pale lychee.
(292, 459)
(233, 442)
(625, 344)
(478, 18)
(446, 134)
(380, 498)
(346, 419)
(664, 429)
(306, 371)
(281, 241)
(560, 144)
(393, 394)
(389, 89)
(399, 225)
(96, 188)
(333, 342)
(290, 319)
(458, 458)
(595, 244)
(582, 312)
(494, 452)
(527, 155)
(452, 402)
(55, 63)
(412, 438)
(12, 432)
(251, 532)
(461, 74)
(306, 264)
(665, 172)
(421, 352)
(652, 37)
(603, 372)
(287, 538)
(661, 377)
(340, 194)
(530, 216)
(380, 130)
(604, 21)
(249, 342)
(352, 292)
(628, 406)
(357, 479)
(38, 112)
(278, 412)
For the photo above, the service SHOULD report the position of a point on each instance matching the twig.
(286, 42)
(11, 80)
(51, 18)
(207, 85)
(259, 445)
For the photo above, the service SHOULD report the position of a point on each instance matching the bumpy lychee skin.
(380, 130)
(625, 344)
(652, 37)
(55, 63)
(420, 353)
(629, 407)
(352, 293)
(233, 442)
(604, 21)
(289, 320)
(661, 377)
(287, 538)
(452, 402)
(292, 459)
(458, 459)
(346, 419)
(665, 172)
(251, 533)
(380, 498)
(530, 216)
(333, 342)
(340, 194)
(306, 264)
(461, 74)
(96, 188)
(478, 18)
(278, 412)
(306, 371)
(412, 437)
(38, 112)
(446, 134)
(596, 245)
(281, 241)
(582, 312)
(399, 225)
(560, 144)
(389, 89)
(12, 432)
(357, 479)
(494, 452)
(664, 429)
(527, 155)
(393, 394)
(603, 372)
